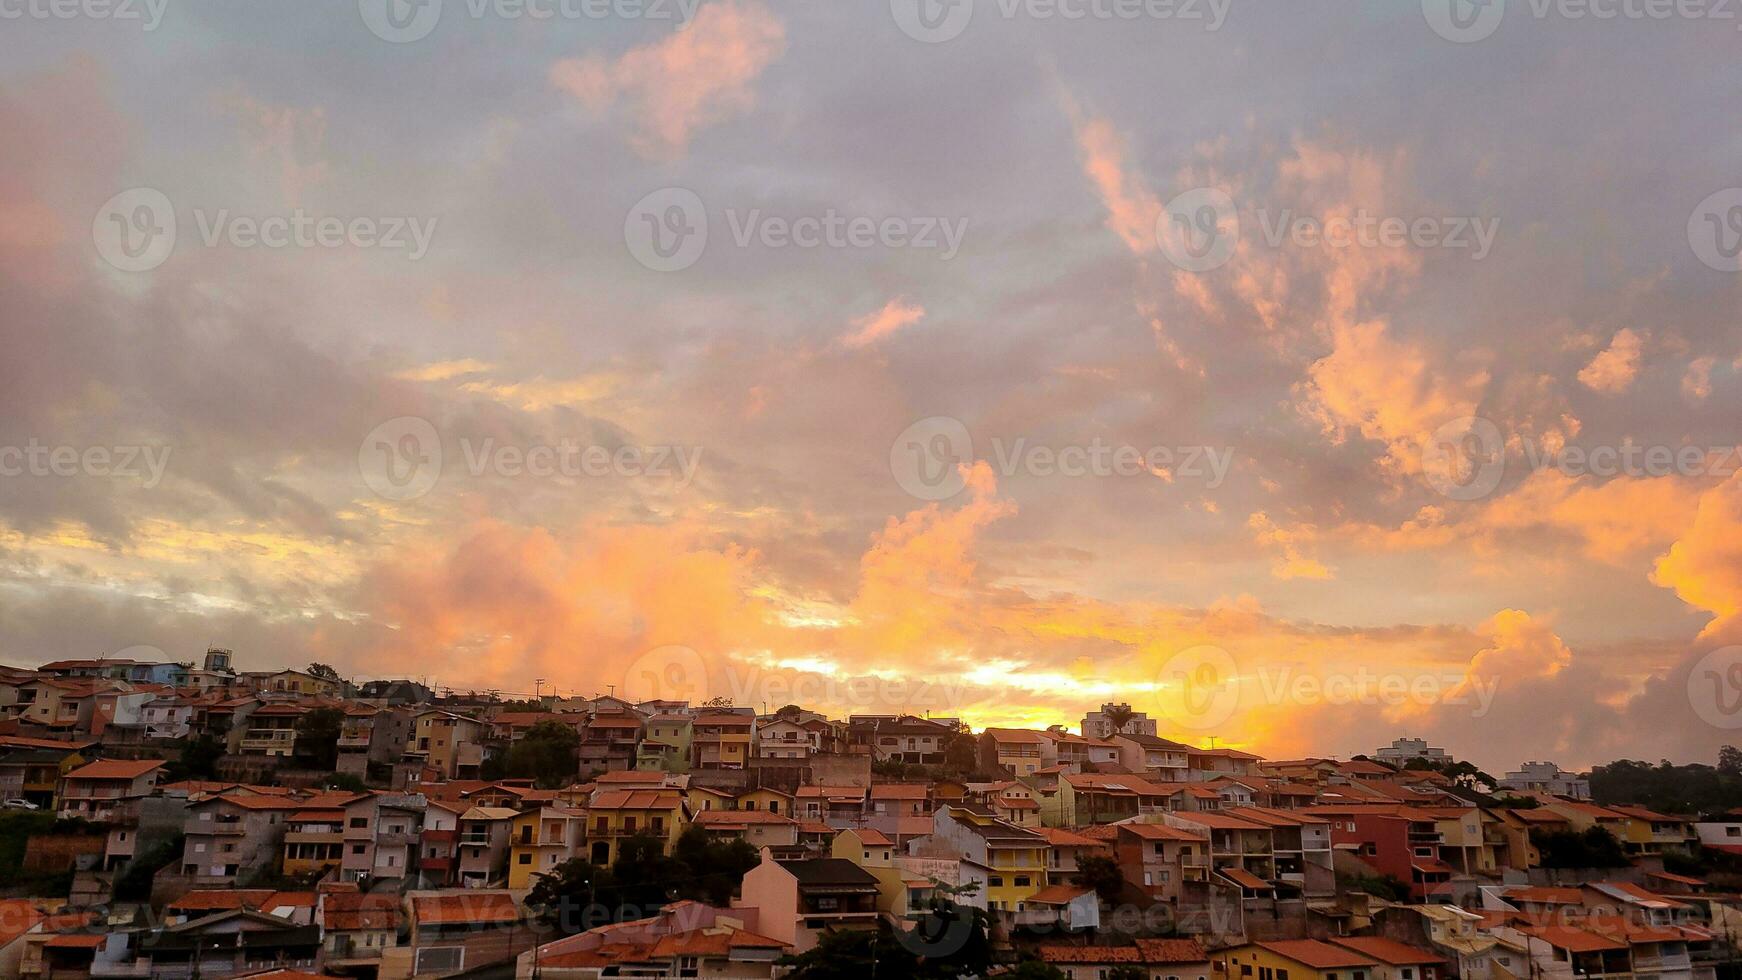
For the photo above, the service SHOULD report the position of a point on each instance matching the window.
(1022, 881)
(356, 848)
(1408, 973)
(359, 822)
(994, 882)
(526, 858)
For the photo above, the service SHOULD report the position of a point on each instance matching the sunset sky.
(1285, 516)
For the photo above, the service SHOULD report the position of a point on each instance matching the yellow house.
(314, 840)
(541, 839)
(1014, 858)
(1650, 832)
(705, 798)
(898, 892)
(303, 683)
(1293, 959)
(618, 814)
(449, 743)
(721, 740)
(769, 800)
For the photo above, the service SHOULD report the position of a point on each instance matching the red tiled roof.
(1058, 895)
(1158, 951)
(1316, 954)
(638, 799)
(115, 769)
(473, 907)
(1389, 951)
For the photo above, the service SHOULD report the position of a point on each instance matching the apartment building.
(1099, 723)
(1159, 858)
(619, 814)
(721, 740)
(1017, 751)
(611, 742)
(233, 836)
(1546, 777)
(449, 744)
(1013, 859)
(543, 838)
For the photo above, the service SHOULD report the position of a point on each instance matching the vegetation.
(345, 781)
(1387, 887)
(317, 738)
(546, 755)
(323, 671)
(198, 759)
(1103, 875)
(17, 827)
(1461, 773)
(1127, 972)
(1035, 970)
(1691, 789)
(134, 885)
(1592, 848)
(580, 895)
(948, 941)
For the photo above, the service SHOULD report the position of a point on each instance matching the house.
(542, 838)
(270, 730)
(1079, 753)
(1017, 751)
(371, 737)
(301, 683)
(1397, 961)
(1159, 859)
(721, 740)
(1065, 848)
(1650, 832)
(232, 835)
(482, 845)
(1014, 859)
(33, 769)
(796, 901)
(448, 743)
(239, 941)
(784, 738)
(1294, 959)
(838, 806)
(314, 840)
(110, 792)
(168, 716)
(898, 800)
(438, 843)
(455, 933)
(619, 814)
(611, 743)
(1158, 959)
(665, 744)
(901, 738)
(1060, 908)
(1100, 798)
(1203, 765)
(1396, 840)
(683, 939)
(357, 927)
(382, 835)
(757, 827)
(1147, 755)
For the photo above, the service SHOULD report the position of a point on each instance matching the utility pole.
(538, 688)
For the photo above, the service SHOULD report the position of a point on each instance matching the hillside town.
(163, 820)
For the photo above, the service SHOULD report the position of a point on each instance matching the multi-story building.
(270, 730)
(1160, 859)
(1158, 758)
(1402, 750)
(665, 744)
(543, 838)
(1017, 751)
(901, 738)
(720, 740)
(798, 901)
(1650, 832)
(1014, 859)
(109, 792)
(449, 744)
(1396, 840)
(438, 843)
(314, 840)
(233, 836)
(617, 815)
(1099, 724)
(371, 737)
(610, 743)
(382, 836)
(758, 828)
(1546, 777)
(482, 845)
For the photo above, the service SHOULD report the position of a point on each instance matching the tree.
(575, 896)
(1127, 972)
(1592, 848)
(1103, 875)
(198, 759)
(1035, 970)
(546, 755)
(1118, 715)
(714, 867)
(323, 671)
(345, 781)
(961, 753)
(317, 738)
(1730, 761)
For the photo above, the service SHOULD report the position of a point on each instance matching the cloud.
(1704, 567)
(872, 327)
(1132, 208)
(703, 74)
(1612, 371)
(1697, 382)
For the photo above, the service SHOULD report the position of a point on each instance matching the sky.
(1305, 373)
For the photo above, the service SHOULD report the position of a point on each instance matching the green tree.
(714, 867)
(1118, 715)
(1103, 875)
(576, 895)
(961, 753)
(1127, 973)
(198, 758)
(546, 754)
(323, 671)
(1592, 848)
(317, 738)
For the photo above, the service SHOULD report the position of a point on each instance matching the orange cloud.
(895, 314)
(1132, 208)
(1705, 566)
(701, 75)
(1612, 371)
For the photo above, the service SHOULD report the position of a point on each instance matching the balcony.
(474, 840)
(396, 840)
(314, 837)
